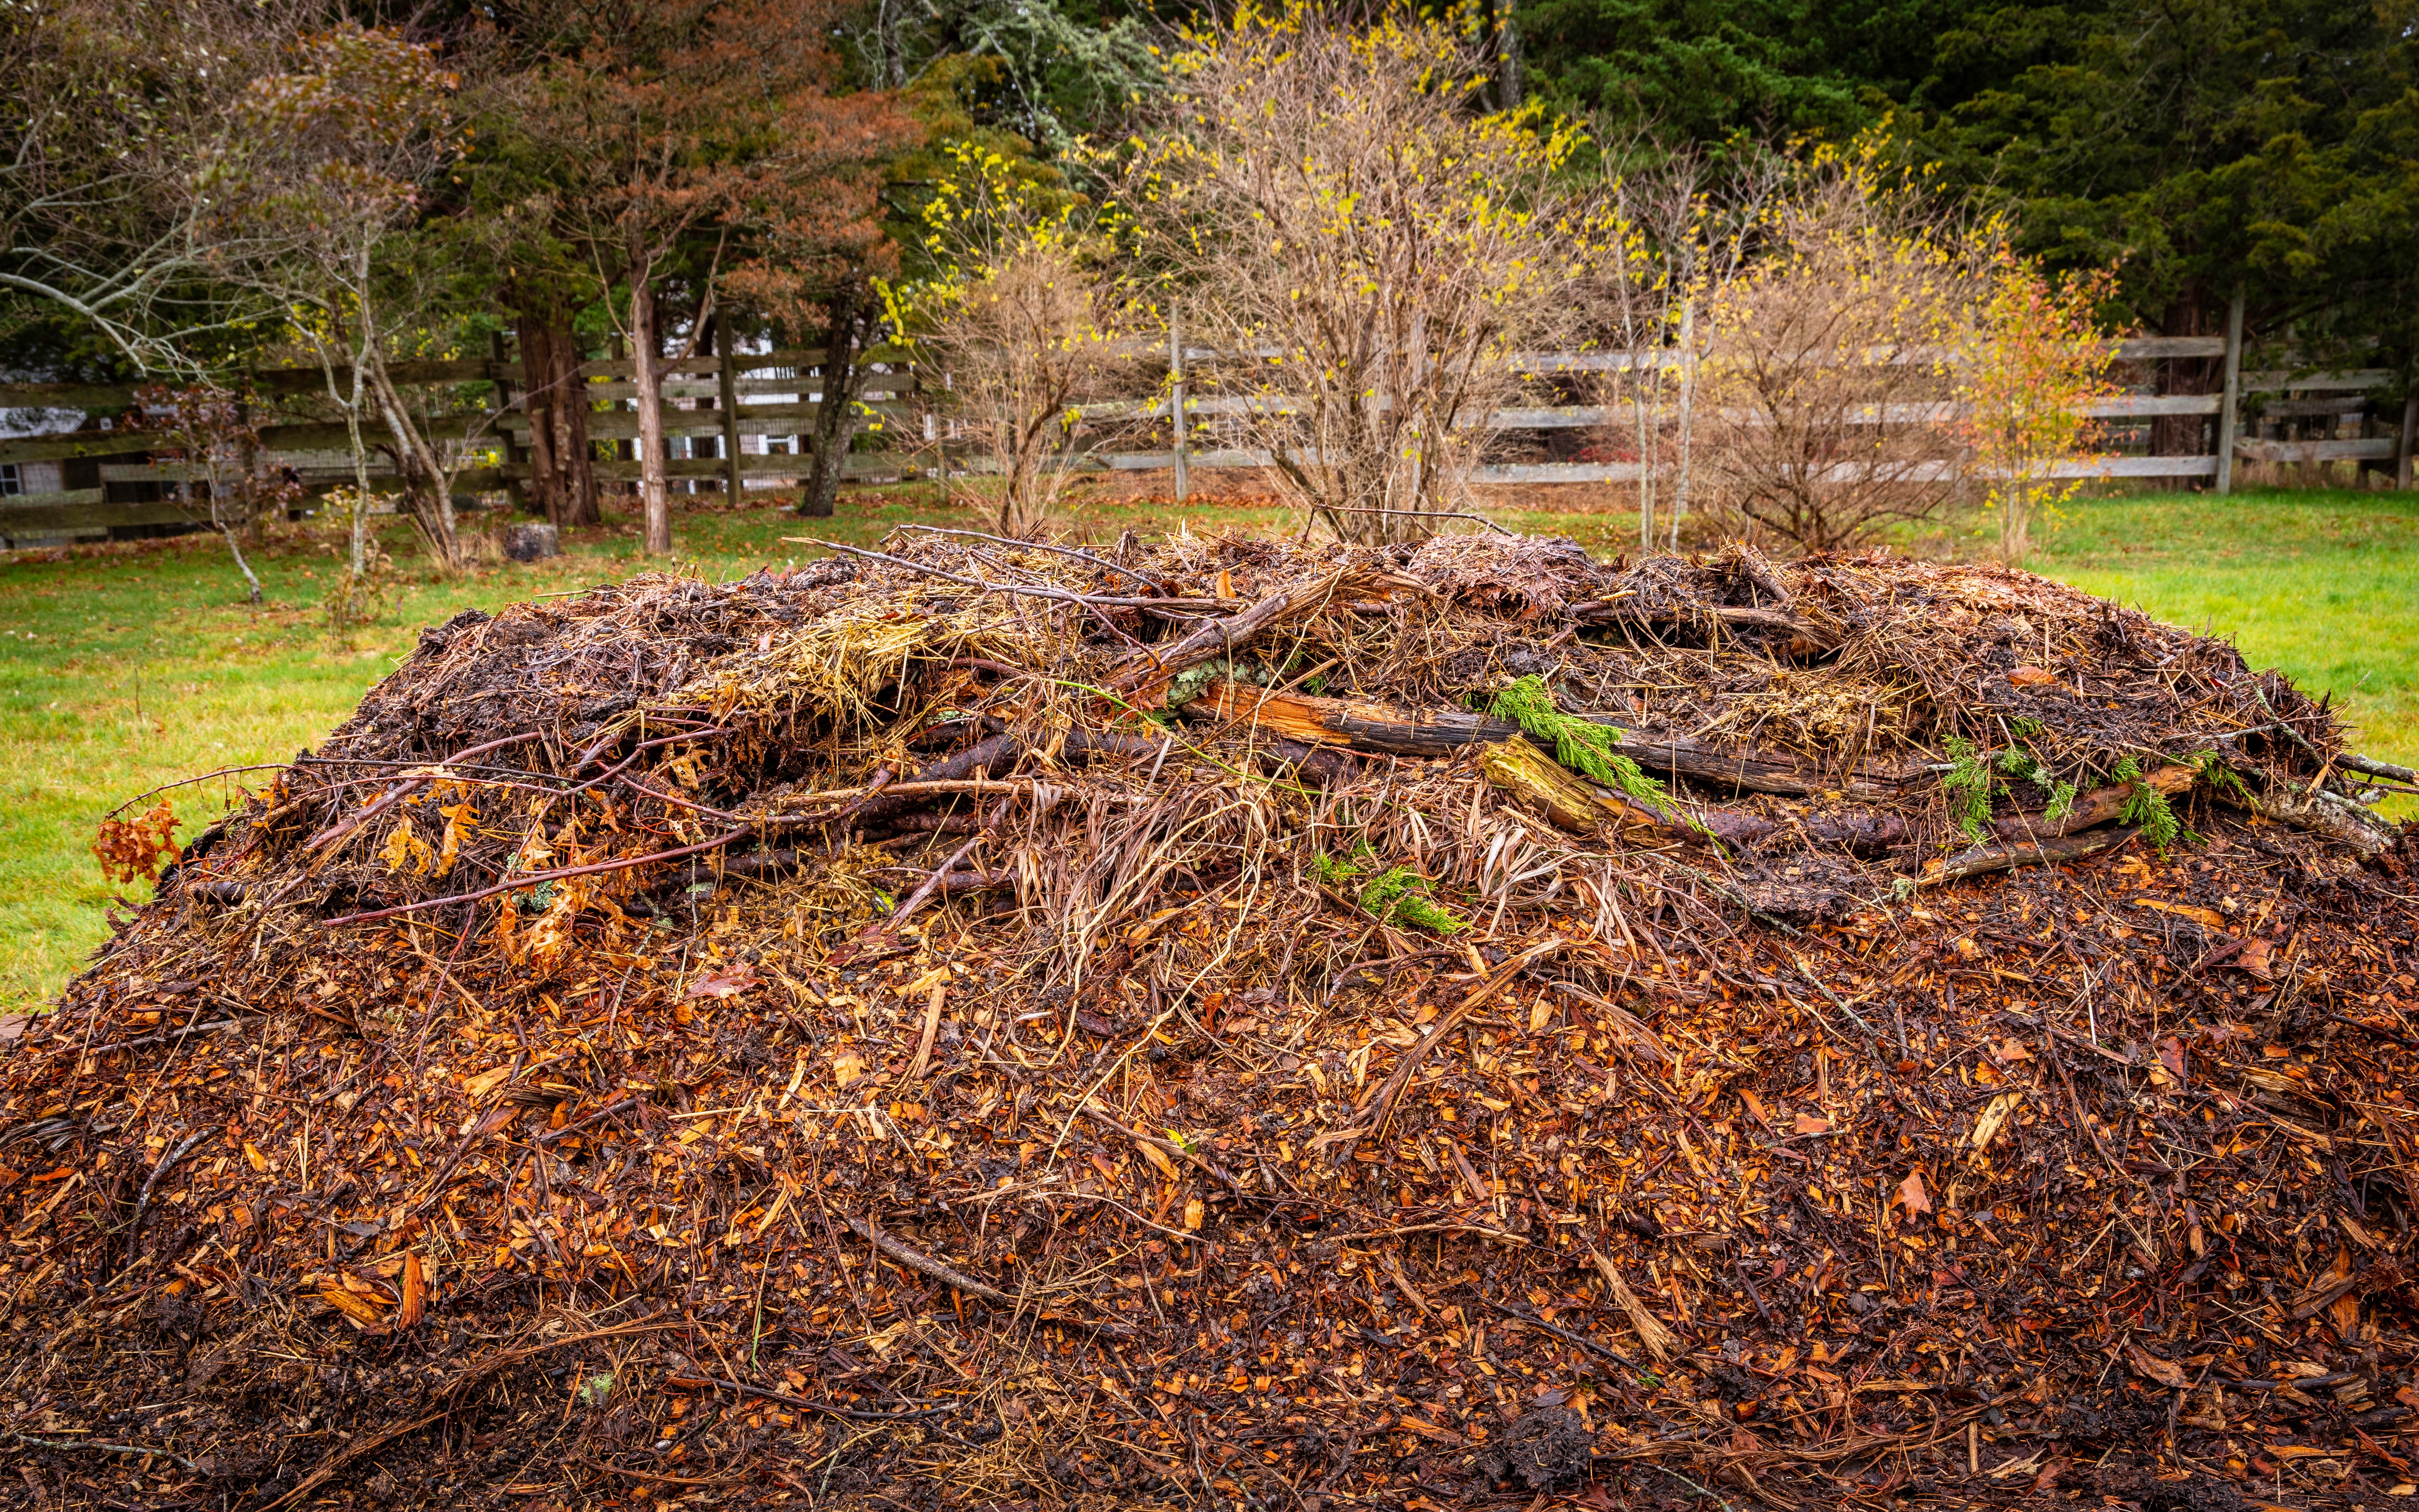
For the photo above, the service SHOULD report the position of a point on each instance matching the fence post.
(2225, 405)
(729, 377)
(497, 367)
(1176, 409)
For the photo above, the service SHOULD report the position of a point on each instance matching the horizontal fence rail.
(772, 396)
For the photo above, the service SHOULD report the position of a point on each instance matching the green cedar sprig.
(2147, 807)
(1584, 747)
(1967, 782)
(1395, 895)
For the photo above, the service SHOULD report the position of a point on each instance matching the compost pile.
(1207, 1022)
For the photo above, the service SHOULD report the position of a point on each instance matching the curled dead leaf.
(729, 981)
(2166, 1372)
(1911, 1196)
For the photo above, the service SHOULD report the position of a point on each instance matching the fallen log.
(1579, 805)
(1382, 728)
(2096, 808)
(1986, 859)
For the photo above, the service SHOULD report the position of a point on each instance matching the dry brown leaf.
(729, 981)
(1911, 1196)
(2166, 1372)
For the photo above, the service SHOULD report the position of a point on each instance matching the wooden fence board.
(2251, 449)
(61, 520)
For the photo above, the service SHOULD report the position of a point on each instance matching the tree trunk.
(836, 417)
(2184, 435)
(655, 496)
(545, 489)
(426, 490)
(562, 474)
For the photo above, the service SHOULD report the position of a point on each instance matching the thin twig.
(533, 879)
(108, 1448)
(852, 1413)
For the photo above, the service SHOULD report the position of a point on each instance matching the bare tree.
(318, 178)
(208, 433)
(1827, 371)
(1370, 247)
(1022, 327)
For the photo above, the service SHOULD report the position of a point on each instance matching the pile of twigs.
(1207, 1023)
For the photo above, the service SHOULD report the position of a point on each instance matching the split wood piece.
(1806, 637)
(932, 1027)
(1349, 1138)
(923, 1264)
(2330, 815)
(1574, 804)
(1660, 1341)
(1219, 638)
(2096, 808)
(1987, 858)
(1378, 727)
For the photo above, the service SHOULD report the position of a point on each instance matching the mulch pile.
(1214, 1023)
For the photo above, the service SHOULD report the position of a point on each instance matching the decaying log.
(1378, 727)
(2094, 808)
(1579, 805)
(2326, 813)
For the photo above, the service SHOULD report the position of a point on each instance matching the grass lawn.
(128, 666)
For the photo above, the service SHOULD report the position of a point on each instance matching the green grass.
(130, 666)
(2324, 585)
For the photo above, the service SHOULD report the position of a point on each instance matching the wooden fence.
(105, 480)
